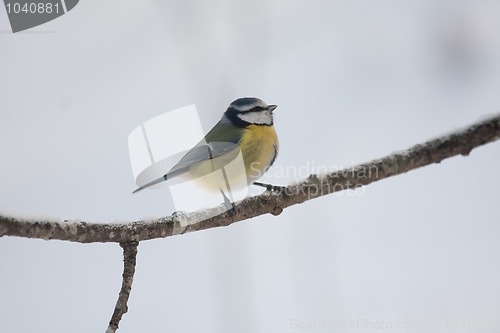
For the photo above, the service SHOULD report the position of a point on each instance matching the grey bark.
(460, 142)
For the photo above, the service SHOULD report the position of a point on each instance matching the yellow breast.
(259, 146)
(240, 167)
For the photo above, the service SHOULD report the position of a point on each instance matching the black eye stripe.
(256, 109)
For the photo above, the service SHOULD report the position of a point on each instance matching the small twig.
(129, 260)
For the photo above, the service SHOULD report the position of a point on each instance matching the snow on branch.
(460, 142)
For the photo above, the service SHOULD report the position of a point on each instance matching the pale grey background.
(354, 80)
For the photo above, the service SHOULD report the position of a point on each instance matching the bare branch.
(460, 142)
(129, 260)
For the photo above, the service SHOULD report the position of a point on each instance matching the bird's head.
(250, 111)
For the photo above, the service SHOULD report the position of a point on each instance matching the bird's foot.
(228, 204)
(270, 187)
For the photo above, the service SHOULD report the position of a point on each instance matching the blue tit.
(245, 133)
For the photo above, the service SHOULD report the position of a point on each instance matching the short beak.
(272, 107)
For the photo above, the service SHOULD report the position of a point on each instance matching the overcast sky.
(354, 81)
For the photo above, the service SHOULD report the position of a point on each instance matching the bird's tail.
(151, 183)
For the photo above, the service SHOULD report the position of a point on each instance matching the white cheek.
(263, 117)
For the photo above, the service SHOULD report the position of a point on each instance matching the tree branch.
(460, 142)
(129, 260)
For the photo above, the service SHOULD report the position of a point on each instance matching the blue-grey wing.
(200, 153)
(221, 139)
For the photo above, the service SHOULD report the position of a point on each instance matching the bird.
(246, 127)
